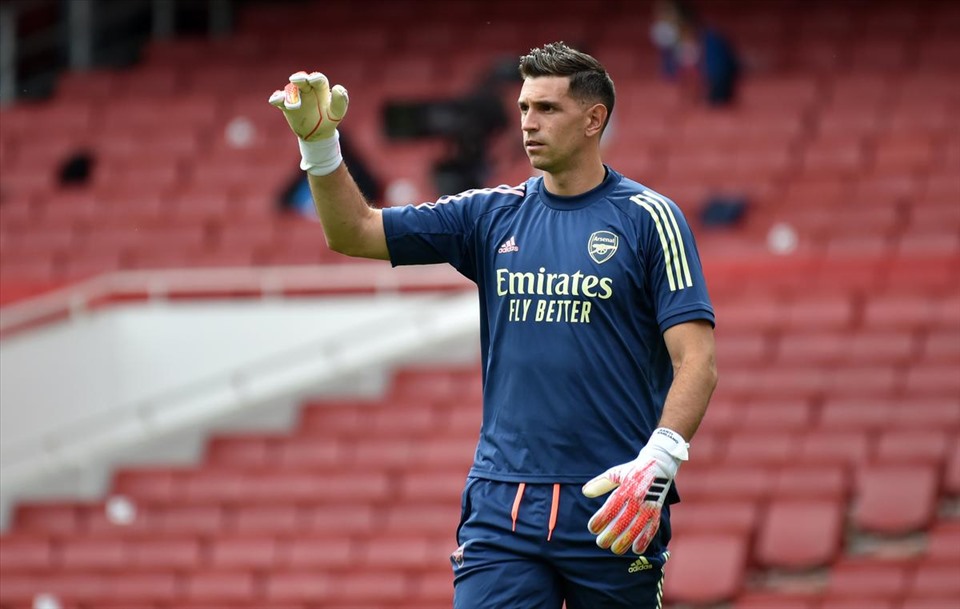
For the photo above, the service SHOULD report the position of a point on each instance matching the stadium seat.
(249, 450)
(132, 589)
(47, 517)
(799, 534)
(243, 552)
(939, 381)
(307, 452)
(186, 519)
(867, 581)
(772, 600)
(947, 602)
(298, 585)
(220, 587)
(707, 568)
(844, 413)
(925, 447)
(879, 506)
(767, 449)
(831, 602)
(935, 580)
(25, 552)
(717, 482)
(97, 553)
(165, 553)
(356, 518)
(698, 517)
(809, 481)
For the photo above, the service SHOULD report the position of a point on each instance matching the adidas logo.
(640, 564)
(510, 245)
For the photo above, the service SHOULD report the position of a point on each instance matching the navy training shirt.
(575, 294)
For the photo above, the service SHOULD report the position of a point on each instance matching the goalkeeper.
(596, 342)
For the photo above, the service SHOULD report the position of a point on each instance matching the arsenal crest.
(602, 245)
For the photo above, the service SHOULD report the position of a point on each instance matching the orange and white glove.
(631, 515)
(313, 111)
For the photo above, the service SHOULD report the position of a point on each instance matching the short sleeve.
(673, 270)
(431, 233)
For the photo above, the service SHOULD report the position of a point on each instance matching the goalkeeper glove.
(631, 515)
(313, 111)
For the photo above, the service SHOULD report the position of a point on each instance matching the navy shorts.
(526, 546)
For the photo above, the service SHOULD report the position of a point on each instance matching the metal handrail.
(248, 282)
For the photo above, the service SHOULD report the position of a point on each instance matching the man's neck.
(575, 181)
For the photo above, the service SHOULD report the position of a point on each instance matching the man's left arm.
(630, 517)
(693, 353)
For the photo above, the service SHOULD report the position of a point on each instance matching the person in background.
(695, 53)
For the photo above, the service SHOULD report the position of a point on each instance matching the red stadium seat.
(185, 519)
(800, 534)
(721, 483)
(246, 552)
(943, 542)
(831, 446)
(926, 447)
(947, 602)
(831, 602)
(165, 553)
(935, 580)
(705, 569)
(97, 553)
(813, 482)
(693, 517)
(138, 589)
(47, 517)
(355, 517)
(879, 506)
(851, 414)
(767, 449)
(250, 450)
(25, 552)
(940, 381)
(868, 581)
(298, 585)
(318, 552)
(772, 600)
(307, 452)
(221, 587)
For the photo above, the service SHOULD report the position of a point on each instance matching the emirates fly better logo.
(602, 245)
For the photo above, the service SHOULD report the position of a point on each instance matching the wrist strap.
(321, 157)
(670, 442)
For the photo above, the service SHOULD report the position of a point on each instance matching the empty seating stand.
(825, 470)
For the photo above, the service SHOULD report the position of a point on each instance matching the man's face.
(553, 123)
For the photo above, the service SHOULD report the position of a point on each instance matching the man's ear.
(596, 117)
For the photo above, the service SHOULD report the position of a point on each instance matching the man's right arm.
(313, 111)
(350, 225)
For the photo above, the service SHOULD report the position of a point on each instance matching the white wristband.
(321, 157)
(671, 442)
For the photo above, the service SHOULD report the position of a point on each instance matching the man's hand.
(311, 108)
(313, 111)
(631, 515)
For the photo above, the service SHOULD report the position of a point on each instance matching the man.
(596, 339)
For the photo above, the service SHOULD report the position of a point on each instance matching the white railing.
(252, 282)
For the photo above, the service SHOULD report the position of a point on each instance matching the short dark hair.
(589, 80)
